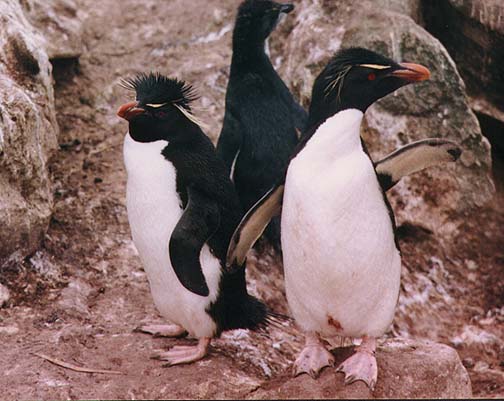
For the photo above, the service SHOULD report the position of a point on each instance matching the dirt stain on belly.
(334, 323)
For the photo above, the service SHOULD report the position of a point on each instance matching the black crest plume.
(156, 88)
(342, 62)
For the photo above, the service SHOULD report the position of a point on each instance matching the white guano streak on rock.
(215, 36)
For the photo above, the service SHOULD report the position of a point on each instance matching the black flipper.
(415, 157)
(199, 222)
(252, 226)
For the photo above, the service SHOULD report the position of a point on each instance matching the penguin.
(342, 262)
(182, 210)
(262, 120)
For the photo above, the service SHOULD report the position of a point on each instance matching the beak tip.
(128, 110)
(413, 72)
(287, 8)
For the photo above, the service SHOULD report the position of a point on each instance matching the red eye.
(371, 76)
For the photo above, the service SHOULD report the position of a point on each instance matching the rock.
(74, 298)
(4, 295)
(28, 133)
(406, 369)
(317, 32)
(479, 25)
(491, 120)
(411, 8)
(437, 108)
(60, 22)
(9, 330)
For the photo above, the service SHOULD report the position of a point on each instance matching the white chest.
(154, 209)
(341, 265)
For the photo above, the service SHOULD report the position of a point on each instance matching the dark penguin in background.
(262, 120)
(341, 259)
(182, 210)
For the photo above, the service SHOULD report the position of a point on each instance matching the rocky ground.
(79, 298)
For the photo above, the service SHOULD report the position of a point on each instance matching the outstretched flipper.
(407, 160)
(200, 220)
(253, 225)
(415, 157)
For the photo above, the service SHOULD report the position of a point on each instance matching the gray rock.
(28, 133)
(406, 369)
(411, 8)
(60, 22)
(74, 298)
(437, 108)
(489, 13)
(479, 25)
(318, 31)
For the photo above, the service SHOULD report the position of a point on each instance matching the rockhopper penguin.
(262, 120)
(182, 210)
(341, 259)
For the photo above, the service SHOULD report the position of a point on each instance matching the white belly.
(342, 268)
(154, 209)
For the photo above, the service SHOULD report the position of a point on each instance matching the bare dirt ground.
(81, 296)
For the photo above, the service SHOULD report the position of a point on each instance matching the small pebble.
(468, 363)
(4, 295)
(9, 330)
(471, 264)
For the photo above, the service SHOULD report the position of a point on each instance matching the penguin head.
(162, 108)
(256, 19)
(355, 78)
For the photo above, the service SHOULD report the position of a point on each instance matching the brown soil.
(81, 296)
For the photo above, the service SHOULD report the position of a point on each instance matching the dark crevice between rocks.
(413, 232)
(64, 71)
(479, 54)
(493, 130)
(477, 50)
(26, 61)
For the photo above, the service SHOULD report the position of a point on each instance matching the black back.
(198, 167)
(262, 119)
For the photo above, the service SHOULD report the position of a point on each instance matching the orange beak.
(412, 72)
(129, 110)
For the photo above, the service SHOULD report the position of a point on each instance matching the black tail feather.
(236, 309)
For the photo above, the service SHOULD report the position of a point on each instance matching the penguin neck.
(338, 136)
(249, 53)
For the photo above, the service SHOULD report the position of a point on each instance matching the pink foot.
(184, 354)
(162, 330)
(362, 365)
(313, 358)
